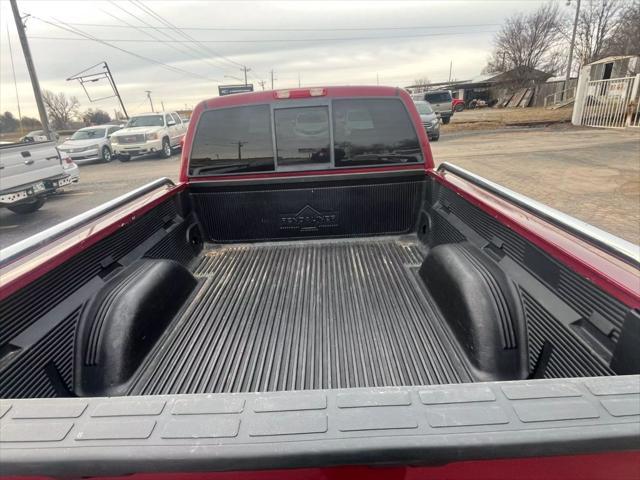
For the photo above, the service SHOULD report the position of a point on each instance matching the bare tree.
(31, 123)
(421, 82)
(528, 41)
(625, 39)
(95, 117)
(60, 108)
(597, 24)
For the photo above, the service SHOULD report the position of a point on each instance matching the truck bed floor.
(305, 315)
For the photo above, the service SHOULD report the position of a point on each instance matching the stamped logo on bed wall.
(308, 220)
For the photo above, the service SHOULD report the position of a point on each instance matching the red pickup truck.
(314, 299)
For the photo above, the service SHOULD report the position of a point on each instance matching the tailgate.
(27, 163)
(419, 426)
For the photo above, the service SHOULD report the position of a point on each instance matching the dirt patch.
(11, 137)
(495, 118)
(596, 179)
(591, 174)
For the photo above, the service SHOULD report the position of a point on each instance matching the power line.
(199, 44)
(106, 42)
(289, 40)
(162, 64)
(186, 49)
(143, 7)
(331, 29)
(148, 34)
(15, 83)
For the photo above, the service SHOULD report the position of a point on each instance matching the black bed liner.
(305, 315)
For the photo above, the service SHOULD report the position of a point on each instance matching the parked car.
(441, 101)
(90, 144)
(29, 173)
(157, 133)
(458, 105)
(429, 119)
(356, 314)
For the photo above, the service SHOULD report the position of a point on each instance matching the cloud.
(306, 39)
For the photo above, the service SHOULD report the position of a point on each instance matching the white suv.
(156, 132)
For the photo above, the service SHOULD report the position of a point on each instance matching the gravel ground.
(591, 174)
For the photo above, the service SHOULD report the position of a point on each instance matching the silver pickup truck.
(29, 172)
(149, 133)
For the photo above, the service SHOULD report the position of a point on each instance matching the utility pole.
(115, 89)
(150, 101)
(245, 70)
(15, 83)
(299, 83)
(272, 79)
(32, 70)
(262, 82)
(240, 145)
(450, 68)
(567, 78)
(162, 104)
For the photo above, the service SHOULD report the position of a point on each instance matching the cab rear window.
(439, 97)
(233, 140)
(343, 133)
(302, 137)
(370, 132)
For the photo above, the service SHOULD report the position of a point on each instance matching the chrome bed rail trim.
(23, 247)
(616, 246)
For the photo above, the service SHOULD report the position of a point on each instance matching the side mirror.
(171, 123)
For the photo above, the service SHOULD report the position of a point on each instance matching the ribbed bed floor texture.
(306, 315)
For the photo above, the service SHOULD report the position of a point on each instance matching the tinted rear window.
(366, 132)
(373, 132)
(302, 137)
(441, 97)
(233, 140)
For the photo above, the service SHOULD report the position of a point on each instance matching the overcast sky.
(323, 43)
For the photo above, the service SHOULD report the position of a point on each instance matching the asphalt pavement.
(99, 182)
(592, 174)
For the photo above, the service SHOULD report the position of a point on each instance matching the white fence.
(634, 116)
(561, 97)
(612, 103)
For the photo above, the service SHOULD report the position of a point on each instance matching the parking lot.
(591, 174)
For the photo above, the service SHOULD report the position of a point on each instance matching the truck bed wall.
(37, 335)
(581, 323)
(309, 208)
